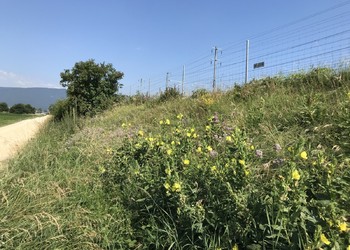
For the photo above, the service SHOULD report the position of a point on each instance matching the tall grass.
(98, 184)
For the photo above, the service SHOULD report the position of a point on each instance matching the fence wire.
(319, 40)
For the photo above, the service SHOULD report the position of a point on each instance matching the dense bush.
(22, 109)
(61, 108)
(4, 107)
(208, 188)
(169, 93)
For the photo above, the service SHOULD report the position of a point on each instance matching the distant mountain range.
(37, 97)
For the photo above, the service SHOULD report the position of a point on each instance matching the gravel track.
(14, 136)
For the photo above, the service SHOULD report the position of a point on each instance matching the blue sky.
(142, 38)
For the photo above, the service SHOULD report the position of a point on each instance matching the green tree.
(91, 87)
(21, 108)
(4, 107)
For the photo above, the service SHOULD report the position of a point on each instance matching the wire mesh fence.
(319, 40)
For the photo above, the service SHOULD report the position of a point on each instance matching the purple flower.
(213, 153)
(277, 147)
(258, 153)
(215, 118)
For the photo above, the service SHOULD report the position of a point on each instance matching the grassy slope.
(7, 118)
(52, 197)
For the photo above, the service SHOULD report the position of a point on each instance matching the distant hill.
(37, 97)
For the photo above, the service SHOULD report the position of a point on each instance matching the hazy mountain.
(37, 97)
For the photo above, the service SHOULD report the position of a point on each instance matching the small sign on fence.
(259, 65)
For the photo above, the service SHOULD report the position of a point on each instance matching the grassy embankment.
(8, 118)
(263, 166)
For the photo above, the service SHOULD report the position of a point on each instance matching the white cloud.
(10, 79)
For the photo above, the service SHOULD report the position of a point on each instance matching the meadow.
(261, 166)
(8, 118)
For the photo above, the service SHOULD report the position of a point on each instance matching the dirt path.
(14, 136)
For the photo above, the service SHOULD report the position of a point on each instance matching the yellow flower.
(199, 150)
(235, 247)
(176, 187)
(194, 135)
(179, 116)
(109, 151)
(151, 139)
(213, 168)
(252, 147)
(242, 162)
(295, 175)
(167, 121)
(325, 240)
(168, 171)
(348, 248)
(124, 125)
(209, 148)
(303, 155)
(192, 130)
(228, 138)
(207, 128)
(166, 185)
(188, 134)
(172, 143)
(169, 151)
(161, 122)
(186, 162)
(140, 133)
(101, 169)
(342, 226)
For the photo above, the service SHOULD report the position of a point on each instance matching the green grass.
(99, 183)
(8, 118)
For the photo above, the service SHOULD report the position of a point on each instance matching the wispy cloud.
(10, 79)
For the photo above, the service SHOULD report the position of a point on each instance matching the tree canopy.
(91, 87)
(21, 108)
(4, 107)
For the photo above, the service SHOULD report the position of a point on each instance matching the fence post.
(246, 61)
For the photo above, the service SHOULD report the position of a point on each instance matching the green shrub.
(61, 108)
(199, 93)
(169, 93)
(208, 188)
(21, 108)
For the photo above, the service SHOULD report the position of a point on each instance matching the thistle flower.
(277, 147)
(213, 153)
(258, 153)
